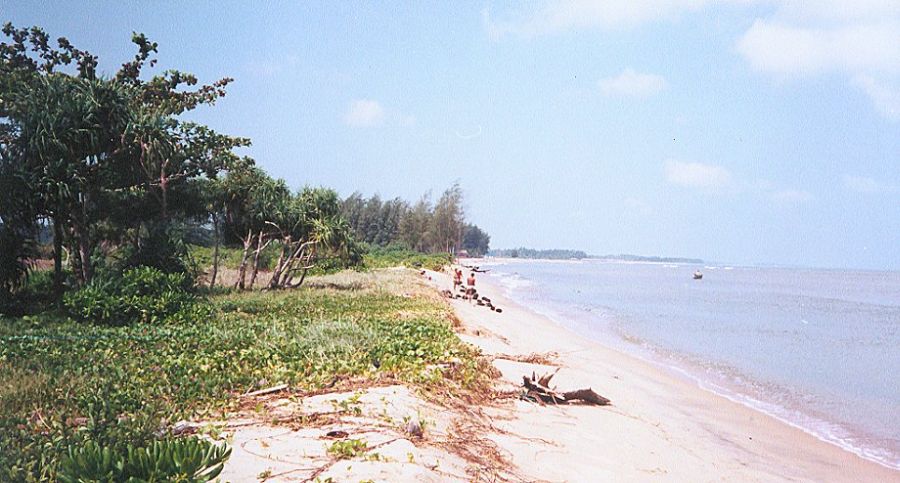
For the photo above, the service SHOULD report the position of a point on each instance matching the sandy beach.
(660, 426)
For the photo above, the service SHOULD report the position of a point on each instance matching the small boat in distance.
(698, 275)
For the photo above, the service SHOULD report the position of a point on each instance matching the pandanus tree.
(70, 153)
(312, 229)
(253, 203)
(84, 146)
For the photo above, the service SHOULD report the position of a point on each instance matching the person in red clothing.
(457, 280)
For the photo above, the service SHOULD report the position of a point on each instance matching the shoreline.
(690, 370)
(674, 427)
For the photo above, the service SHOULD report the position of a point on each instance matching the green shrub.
(140, 294)
(35, 294)
(184, 460)
(393, 256)
(161, 247)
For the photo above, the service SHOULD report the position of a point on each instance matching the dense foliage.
(107, 168)
(105, 161)
(64, 383)
(141, 294)
(422, 227)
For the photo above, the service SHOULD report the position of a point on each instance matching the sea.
(817, 349)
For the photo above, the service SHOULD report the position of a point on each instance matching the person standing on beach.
(457, 280)
(470, 287)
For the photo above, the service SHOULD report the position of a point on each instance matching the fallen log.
(587, 395)
(538, 390)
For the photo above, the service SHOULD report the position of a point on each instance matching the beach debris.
(268, 390)
(538, 390)
(414, 428)
(184, 427)
(477, 269)
(542, 358)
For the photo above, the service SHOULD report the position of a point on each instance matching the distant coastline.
(567, 254)
(641, 258)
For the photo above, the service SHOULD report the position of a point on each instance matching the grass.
(378, 257)
(64, 383)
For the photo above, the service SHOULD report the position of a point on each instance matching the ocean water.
(819, 349)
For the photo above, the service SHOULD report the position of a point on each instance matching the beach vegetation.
(118, 217)
(347, 448)
(189, 460)
(64, 383)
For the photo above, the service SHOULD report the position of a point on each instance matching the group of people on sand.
(470, 284)
(470, 293)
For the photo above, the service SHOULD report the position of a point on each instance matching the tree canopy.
(109, 167)
(423, 226)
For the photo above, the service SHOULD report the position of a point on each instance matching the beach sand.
(660, 425)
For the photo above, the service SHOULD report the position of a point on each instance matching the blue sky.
(738, 131)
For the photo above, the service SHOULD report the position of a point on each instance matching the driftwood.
(538, 390)
(268, 390)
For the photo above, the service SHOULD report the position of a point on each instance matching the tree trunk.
(57, 258)
(302, 277)
(259, 248)
(84, 254)
(288, 272)
(164, 188)
(242, 270)
(279, 267)
(215, 267)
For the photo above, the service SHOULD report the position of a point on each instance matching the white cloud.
(885, 97)
(791, 196)
(861, 184)
(632, 84)
(859, 40)
(696, 175)
(369, 113)
(364, 113)
(561, 15)
(788, 50)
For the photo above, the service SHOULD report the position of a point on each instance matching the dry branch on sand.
(542, 358)
(538, 390)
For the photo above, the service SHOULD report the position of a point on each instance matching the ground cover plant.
(64, 383)
(378, 257)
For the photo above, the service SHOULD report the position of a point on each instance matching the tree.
(254, 205)
(311, 229)
(84, 146)
(415, 226)
(448, 220)
(475, 241)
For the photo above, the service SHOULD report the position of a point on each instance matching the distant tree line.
(551, 254)
(423, 226)
(654, 259)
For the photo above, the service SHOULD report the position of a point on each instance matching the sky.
(742, 131)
